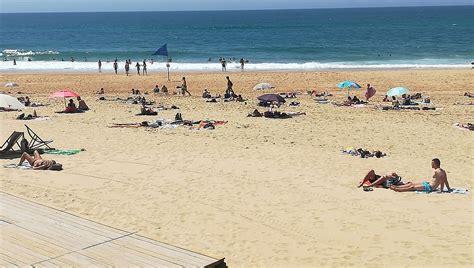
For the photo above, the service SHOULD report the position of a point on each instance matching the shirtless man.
(36, 161)
(439, 179)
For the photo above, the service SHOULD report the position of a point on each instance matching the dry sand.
(261, 192)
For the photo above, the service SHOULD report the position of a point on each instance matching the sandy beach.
(260, 192)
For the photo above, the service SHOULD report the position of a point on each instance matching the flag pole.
(168, 67)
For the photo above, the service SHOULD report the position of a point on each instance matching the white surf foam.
(160, 66)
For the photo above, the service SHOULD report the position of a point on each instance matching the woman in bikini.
(373, 180)
(36, 161)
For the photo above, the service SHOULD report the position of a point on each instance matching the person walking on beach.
(100, 66)
(115, 66)
(370, 92)
(127, 67)
(224, 65)
(144, 68)
(138, 68)
(229, 91)
(184, 87)
(242, 63)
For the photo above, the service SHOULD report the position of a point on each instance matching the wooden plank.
(61, 216)
(32, 234)
(116, 255)
(20, 253)
(73, 259)
(7, 261)
(34, 241)
(165, 252)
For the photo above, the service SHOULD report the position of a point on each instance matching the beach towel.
(453, 191)
(63, 152)
(25, 165)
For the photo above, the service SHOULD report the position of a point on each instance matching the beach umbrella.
(10, 103)
(11, 84)
(272, 98)
(348, 85)
(65, 93)
(397, 91)
(262, 86)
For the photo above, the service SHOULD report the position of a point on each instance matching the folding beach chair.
(36, 142)
(14, 138)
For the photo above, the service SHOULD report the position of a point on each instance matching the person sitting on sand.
(395, 102)
(440, 179)
(164, 90)
(101, 91)
(206, 94)
(386, 99)
(71, 107)
(372, 180)
(36, 161)
(156, 89)
(82, 104)
(147, 111)
(27, 101)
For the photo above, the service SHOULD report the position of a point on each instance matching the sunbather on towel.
(36, 161)
(373, 180)
(440, 179)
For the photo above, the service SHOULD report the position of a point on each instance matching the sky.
(14, 6)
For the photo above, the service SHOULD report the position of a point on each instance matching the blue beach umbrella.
(348, 85)
(397, 91)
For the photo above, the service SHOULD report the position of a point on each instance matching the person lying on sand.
(36, 161)
(255, 113)
(439, 179)
(373, 180)
(467, 126)
(469, 95)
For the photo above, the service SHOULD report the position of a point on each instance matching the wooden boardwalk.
(39, 236)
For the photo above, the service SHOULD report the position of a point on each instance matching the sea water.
(412, 37)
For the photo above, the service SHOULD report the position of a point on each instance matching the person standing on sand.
(370, 92)
(184, 87)
(138, 68)
(100, 66)
(115, 66)
(229, 91)
(439, 179)
(144, 68)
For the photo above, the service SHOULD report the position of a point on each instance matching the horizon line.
(215, 10)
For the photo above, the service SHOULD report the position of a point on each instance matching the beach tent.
(10, 103)
(397, 91)
(262, 86)
(11, 84)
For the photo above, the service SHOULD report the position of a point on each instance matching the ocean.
(316, 39)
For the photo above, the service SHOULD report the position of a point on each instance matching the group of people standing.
(140, 67)
(224, 63)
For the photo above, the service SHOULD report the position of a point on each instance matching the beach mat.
(63, 152)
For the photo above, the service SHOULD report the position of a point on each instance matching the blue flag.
(163, 50)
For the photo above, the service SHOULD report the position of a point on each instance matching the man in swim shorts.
(439, 179)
